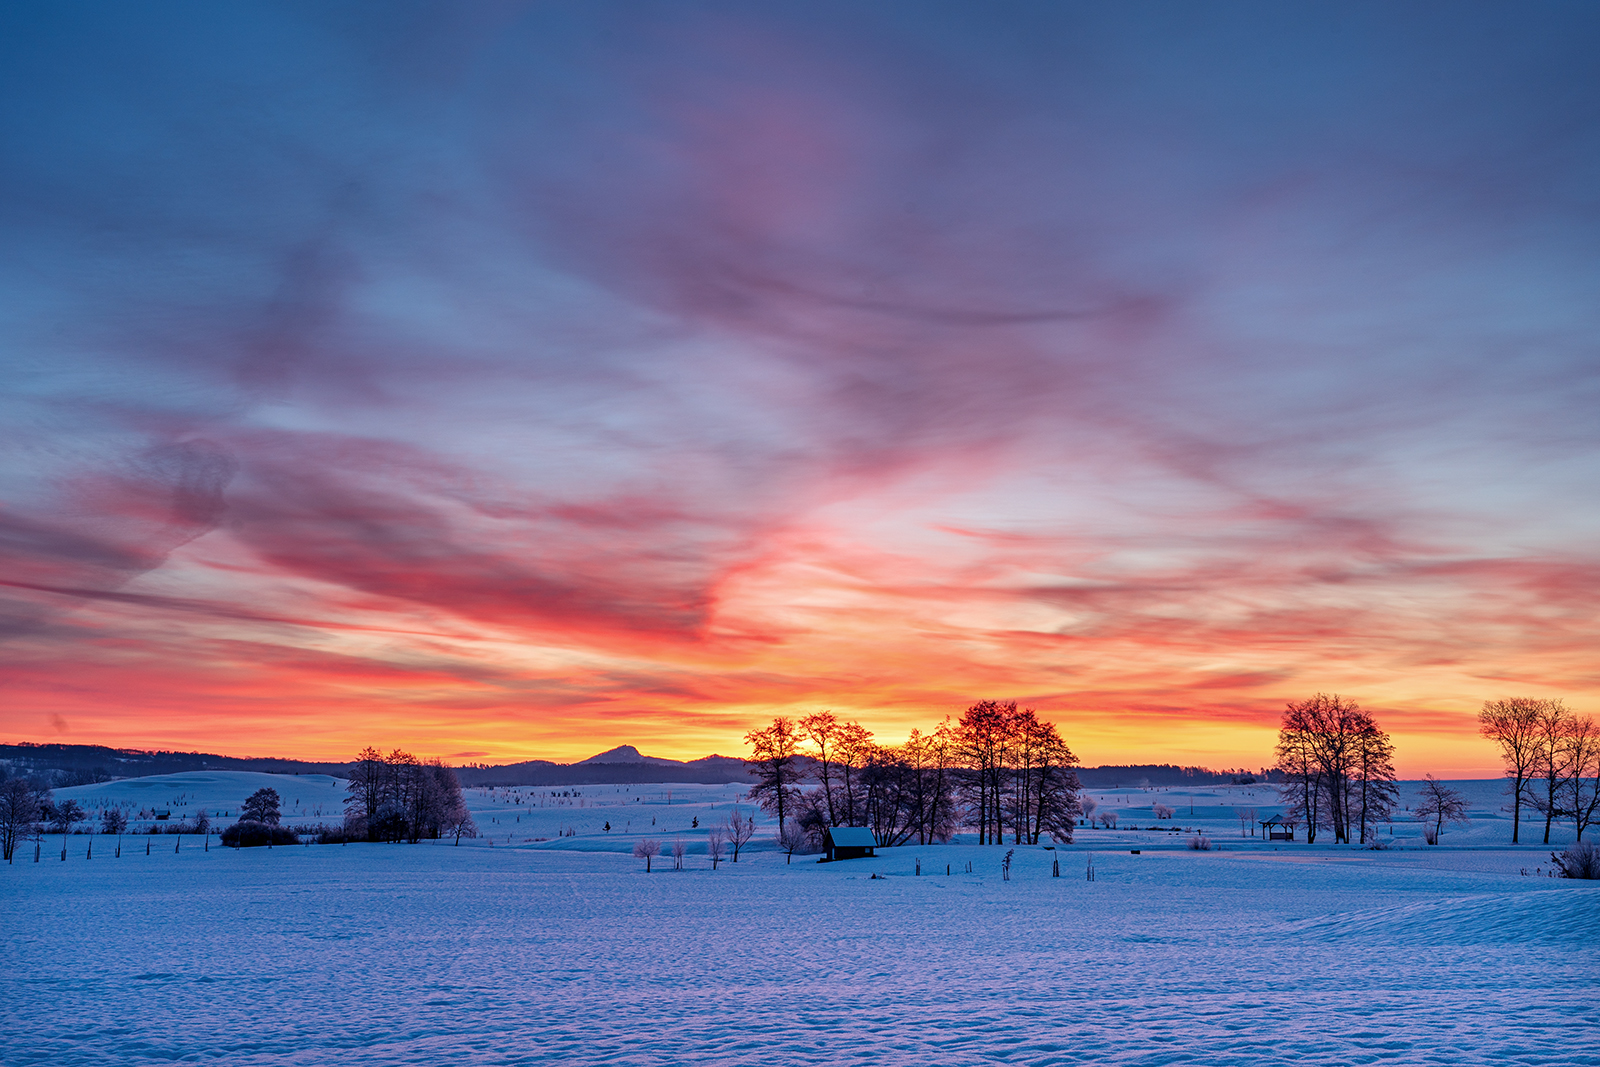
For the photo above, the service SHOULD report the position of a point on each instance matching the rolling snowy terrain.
(564, 950)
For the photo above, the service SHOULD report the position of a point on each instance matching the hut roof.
(852, 836)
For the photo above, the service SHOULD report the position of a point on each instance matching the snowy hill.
(307, 798)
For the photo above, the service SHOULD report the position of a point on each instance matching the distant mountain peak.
(627, 754)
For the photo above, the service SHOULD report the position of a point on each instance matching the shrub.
(1582, 860)
(1200, 843)
(253, 834)
(332, 835)
(1162, 811)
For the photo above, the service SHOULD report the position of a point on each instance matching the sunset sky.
(508, 380)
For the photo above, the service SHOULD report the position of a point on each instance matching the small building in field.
(1277, 829)
(847, 843)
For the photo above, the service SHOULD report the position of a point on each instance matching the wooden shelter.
(847, 843)
(1277, 829)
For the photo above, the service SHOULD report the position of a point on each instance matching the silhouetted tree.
(1337, 767)
(1441, 804)
(113, 821)
(1513, 724)
(983, 732)
(1583, 752)
(22, 805)
(63, 815)
(1552, 764)
(365, 791)
(262, 807)
(773, 761)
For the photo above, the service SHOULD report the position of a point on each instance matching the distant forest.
(62, 765)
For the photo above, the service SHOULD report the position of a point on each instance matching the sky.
(507, 380)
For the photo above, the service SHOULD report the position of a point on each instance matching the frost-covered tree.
(741, 828)
(716, 841)
(679, 850)
(647, 850)
(1512, 723)
(262, 807)
(1441, 804)
(791, 839)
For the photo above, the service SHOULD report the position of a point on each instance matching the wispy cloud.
(551, 371)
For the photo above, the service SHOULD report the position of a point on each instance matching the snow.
(565, 951)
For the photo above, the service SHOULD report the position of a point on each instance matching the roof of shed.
(852, 836)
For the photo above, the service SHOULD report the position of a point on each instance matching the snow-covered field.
(565, 951)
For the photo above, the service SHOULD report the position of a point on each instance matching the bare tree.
(1162, 811)
(822, 730)
(113, 822)
(775, 751)
(791, 839)
(740, 831)
(64, 815)
(365, 791)
(679, 850)
(1375, 791)
(1247, 820)
(1108, 819)
(1583, 752)
(716, 840)
(1088, 804)
(1441, 804)
(22, 804)
(1513, 724)
(647, 850)
(1552, 760)
(459, 824)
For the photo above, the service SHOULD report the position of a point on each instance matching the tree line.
(1000, 769)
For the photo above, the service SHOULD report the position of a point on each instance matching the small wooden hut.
(847, 843)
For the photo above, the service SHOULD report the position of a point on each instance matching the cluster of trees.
(999, 769)
(1337, 767)
(1552, 758)
(401, 798)
(260, 823)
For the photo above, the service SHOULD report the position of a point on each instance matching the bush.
(1200, 843)
(333, 835)
(253, 834)
(1582, 860)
